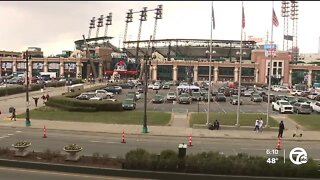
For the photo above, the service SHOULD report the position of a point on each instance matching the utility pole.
(28, 122)
(145, 128)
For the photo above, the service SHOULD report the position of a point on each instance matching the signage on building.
(256, 39)
(53, 65)
(21, 65)
(270, 46)
(69, 65)
(7, 65)
(37, 65)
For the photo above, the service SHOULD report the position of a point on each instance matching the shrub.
(55, 84)
(168, 160)
(18, 89)
(137, 159)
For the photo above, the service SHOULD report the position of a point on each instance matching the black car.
(113, 89)
(128, 85)
(272, 98)
(220, 97)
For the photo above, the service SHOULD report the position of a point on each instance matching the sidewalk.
(157, 130)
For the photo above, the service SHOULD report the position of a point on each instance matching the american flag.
(213, 21)
(275, 21)
(243, 19)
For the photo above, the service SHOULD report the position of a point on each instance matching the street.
(106, 143)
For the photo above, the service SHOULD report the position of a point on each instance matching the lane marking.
(105, 142)
(10, 134)
(18, 131)
(4, 136)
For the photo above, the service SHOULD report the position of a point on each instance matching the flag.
(275, 21)
(288, 37)
(213, 22)
(243, 19)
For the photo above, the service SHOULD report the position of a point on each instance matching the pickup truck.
(315, 106)
(282, 106)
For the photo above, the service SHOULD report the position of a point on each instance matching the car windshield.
(128, 101)
(305, 106)
(184, 95)
(284, 103)
(220, 94)
(291, 98)
(196, 94)
(171, 94)
(158, 97)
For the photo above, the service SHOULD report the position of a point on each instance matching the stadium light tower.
(108, 23)
(285, 14)
(100, 24)
(128, 20)
(158, 16)
(294, 18)
(143, 17)
(92, 26)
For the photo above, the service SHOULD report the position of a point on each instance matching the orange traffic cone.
(123, 138)
(190, 140)
(44, 132)
(278, 144)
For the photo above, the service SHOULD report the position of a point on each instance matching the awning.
(121, 72)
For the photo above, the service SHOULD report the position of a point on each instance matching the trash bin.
(182, 150)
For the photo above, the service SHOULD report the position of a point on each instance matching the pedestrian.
(47, 97)
(256, 125)
(216, 125)
(35, 101)
(281, 128)
(43, 97)
(260, 125)
(13, 116)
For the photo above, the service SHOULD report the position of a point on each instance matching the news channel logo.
(298, 156)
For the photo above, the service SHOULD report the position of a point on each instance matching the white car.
(315, 106)
(171, 96)
(282, 106)
(104, 94)
(96, 98)
(150, 86)
(138, 95)
(296, 93)
(281, 89)
(156, 87)
(312, 95)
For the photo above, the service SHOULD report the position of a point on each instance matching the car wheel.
(311, 109)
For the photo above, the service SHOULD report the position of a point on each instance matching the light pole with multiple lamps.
(241, 53)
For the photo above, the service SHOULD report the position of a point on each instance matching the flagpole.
(240, 70)
(210, 58)
(271, 67)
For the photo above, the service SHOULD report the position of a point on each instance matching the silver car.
(302, 108)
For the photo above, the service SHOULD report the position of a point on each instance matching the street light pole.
(145, 128)
(28, 122)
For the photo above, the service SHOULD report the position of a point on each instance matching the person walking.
(43, 97)
(260, 125)
(281, 128)
(47, 97)
(13, 116)
(256, 125)
(35, 101)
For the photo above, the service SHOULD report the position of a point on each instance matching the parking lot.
(198, 106)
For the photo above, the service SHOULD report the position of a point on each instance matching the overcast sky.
(54, 26)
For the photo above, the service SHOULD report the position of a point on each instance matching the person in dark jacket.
(281, 128)
(216, 125)
(35, 101)
(13, 114)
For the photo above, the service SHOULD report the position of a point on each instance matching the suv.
(256, 98)
(129, 104)
(272, 98)
(220, 97)
(300, 107)
(184, 98)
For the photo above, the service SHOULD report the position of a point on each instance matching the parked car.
(113, 89)
(131, 95)
(150, 86)
(312, 95)
(156, 86)
(205, 97)
(104, 94)
(184, 98)
(166, 86)
(305, 93)
(315, 106)
(128, 85)
(96, 98)
(296, 93)
(282, 106)
(272, 98)
(220, 97)
(234, 100)
(86, 96)
(129, 104)
(138, 95)
(171, 96)
(291, 99)
(301, 108)
(303, 99)
(247, 93)
(140, 89)
(280, 97)
(158, 99)
(196, 96)
(256, 98)
(281, 89)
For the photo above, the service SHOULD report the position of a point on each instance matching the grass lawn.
(310, 122)
(231, 119)
(124, 117)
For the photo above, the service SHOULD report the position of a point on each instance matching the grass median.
(308, 121)
(230, 119)
(124, 117)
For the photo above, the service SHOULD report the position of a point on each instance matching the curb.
(162, 135)
(126, 172)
